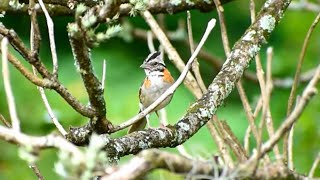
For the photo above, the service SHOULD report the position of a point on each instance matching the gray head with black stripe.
(153, 62)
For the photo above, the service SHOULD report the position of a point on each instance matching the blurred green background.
(124, 77)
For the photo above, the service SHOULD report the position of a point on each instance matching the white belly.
(151, 94)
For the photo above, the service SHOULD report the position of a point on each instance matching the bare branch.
(314, 166)
(50, 112)
(95, 91)
(60, 7)
(150, 42)
(223, 150)
(309, 91)
(34, 44)
(4, 121)
(148, 160)
(7, 87)
(51, 39)
(269, 87)
(46, 83)
(195, 65)
(104, 74)
(224, 34)
(34, 60)
(295, 81)
(290, 148)
(37, 172)
(42, 142)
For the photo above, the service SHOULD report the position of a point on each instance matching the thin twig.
(220, 144)
(35, 60)
(104, 73)
(307, 94)
(262, 83)
(295, 81)
(173, 55)
(35, 38)
(231, 140)
(36, 171)
(50, 112)
(51, 39)
(269, 88)
(34, 46)
(248, 111)
(150, 42)
(314, 166)
(290, 148)
(7, 87)
(4, 121)
(226, 46)
(170, 90)
(248, 131)
(46, 83)
(224, 34)
(195, 65)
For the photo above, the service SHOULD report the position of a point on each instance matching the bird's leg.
(148, 121)
(162, 115)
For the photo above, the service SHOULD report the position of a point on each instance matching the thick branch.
(92, 84)
(148, 160)
(42, 142)
(58, 8)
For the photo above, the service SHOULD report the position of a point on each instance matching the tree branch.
(149, 160)
(59, 8)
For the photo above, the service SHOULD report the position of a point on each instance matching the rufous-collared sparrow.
(158, 80)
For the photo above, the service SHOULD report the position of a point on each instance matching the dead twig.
(269, 87)
(7, 86)
(51, 39)
(308, 92)
(295, 82)
(36, 171)
(314, 166)
(195, 65)
(224, 153)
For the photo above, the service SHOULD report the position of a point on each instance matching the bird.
(158, 79)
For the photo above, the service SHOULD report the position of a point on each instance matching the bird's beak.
(144, 66)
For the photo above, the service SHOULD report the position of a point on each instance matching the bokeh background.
(124, 76)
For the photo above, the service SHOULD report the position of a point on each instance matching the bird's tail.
(139, 125)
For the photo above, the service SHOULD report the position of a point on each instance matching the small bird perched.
(158, 80)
